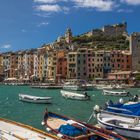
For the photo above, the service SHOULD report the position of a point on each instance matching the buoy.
(42, 123)
(121, 101)
(59, 135)
(48, 129)
(96, 108)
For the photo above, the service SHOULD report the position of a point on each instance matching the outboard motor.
(96, 110)
(109, 103)
(121, 101)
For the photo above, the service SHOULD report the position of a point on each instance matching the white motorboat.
(126, 126)
(74, 96)
(106, 87)
(115, 93)
(74, 85)
(10, 130)
(34, 99)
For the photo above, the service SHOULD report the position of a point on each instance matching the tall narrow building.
(135, 51)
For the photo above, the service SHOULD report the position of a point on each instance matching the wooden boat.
(115, 93)
(34, 99)
(68, 128)
(10, 130)
(125, 126)
(74, 96)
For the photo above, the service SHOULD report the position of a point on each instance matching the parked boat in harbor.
(68, 128)
(74, 84)
(10, 130)
(74, 96)
(34, 99)
(125, 126)
(115, 93)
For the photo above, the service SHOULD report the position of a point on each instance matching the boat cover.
(70, 130)
(132, 109)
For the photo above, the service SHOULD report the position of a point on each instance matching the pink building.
(121, 61)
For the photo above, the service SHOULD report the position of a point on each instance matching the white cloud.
(49, 1)
(49, 8)
(6, 46)
(44, 23)
(131, 2)
(45, 1)
(101, 5)
(124, 10)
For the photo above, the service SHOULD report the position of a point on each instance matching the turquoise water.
(32, 114)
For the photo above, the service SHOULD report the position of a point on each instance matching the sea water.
(32, 114)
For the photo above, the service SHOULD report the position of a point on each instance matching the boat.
(130, 108)
(115, 93)
(74, 96)
(71, 129)
(47, 87)
(34, 99)
(10, 130)
(106, 87)
(125, 126)
(74, 84)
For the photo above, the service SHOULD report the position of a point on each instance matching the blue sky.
(26, 24)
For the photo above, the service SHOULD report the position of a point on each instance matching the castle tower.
(135, 51)
(68, 36)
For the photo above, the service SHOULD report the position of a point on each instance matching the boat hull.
(96, 132)
(114, 93)
(127, 131)
(73, 96)
(35, 99)
(10, 130)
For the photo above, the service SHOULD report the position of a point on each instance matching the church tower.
(68, 36)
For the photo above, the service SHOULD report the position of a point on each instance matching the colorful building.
(120, 60)
(13, 65)
(61, 65)
(135, 51)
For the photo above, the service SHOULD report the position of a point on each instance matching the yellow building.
(41, 72)
(13, 65)
(1, 68)
(51, 65)
(21, 70)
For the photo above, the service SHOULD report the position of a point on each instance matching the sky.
(26, 24)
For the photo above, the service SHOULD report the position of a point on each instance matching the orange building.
(61, 65)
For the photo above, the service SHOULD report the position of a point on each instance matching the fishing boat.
(127, 109)
(10, 130)
(115, 93)
(74, 96)
(68, 128)
(74, 84)
(125, 126)
(34, 99)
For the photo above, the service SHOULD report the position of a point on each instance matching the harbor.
(32, 114)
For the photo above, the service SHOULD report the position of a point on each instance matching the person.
(85, 94)
(135, 98)
(46, 115)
